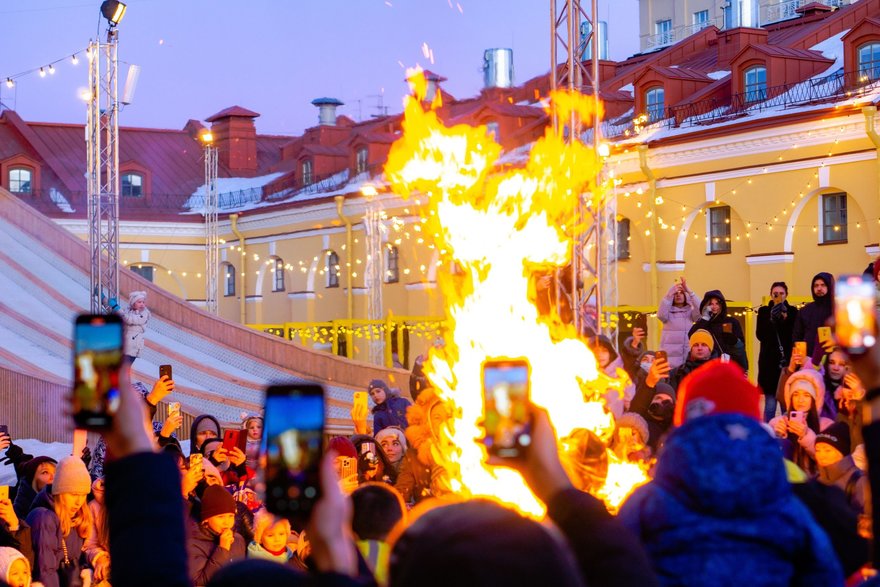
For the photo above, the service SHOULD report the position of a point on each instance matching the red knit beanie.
(716, 388)
(343, 446)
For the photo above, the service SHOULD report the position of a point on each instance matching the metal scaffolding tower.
(212, 232)
(594, 254)
(373, 275)
(102, 143)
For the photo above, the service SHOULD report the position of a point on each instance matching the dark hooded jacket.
(205, 555)
(193, 447)
(725, 330)
(391, 412)
(720, 511)
(47, 539)
(814, 314)
(25, 494)
(776, 342)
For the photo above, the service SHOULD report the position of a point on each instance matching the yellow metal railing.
(329, 332)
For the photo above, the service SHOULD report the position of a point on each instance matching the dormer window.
(21, 180)
(654, 104)
(132, 185)
(307, 172)
(493, 130)
(755, 82)
(361, 162)
(869, 61)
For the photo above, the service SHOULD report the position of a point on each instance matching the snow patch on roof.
(627, 88)
(832, 48)
(230, 185)
(720, 74)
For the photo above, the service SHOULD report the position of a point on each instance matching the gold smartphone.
(824, 333)
(360, 399)
(4, 492)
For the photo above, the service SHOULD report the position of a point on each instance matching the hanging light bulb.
(9, 82)
(51, 70)
(42, 72)
(74, 59)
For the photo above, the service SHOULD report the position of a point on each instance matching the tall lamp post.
(212, 236)
(102, 145)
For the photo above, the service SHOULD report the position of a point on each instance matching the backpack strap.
(851, 484)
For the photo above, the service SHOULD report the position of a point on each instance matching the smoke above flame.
(500, 227)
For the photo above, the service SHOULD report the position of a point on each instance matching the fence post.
(335, 342)
(389, 359)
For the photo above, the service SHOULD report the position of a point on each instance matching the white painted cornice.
(184, 228)
(421, 285)
(770, 259)
(665, 267)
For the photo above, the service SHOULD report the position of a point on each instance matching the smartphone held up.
(855, 318)
(506, 409)
(292, 447)
(97, 356)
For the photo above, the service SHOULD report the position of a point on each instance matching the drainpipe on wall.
(870, 112)
(233, 221)
(340, 202)
(652, 242)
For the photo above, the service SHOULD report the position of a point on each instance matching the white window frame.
(842, 233)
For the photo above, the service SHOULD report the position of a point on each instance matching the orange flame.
(499, 228)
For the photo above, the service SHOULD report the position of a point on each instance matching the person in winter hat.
(702, 348)
(393, 442)
(271, 536)
(253, 424)
(135, 318)
(60, 522)
(609, 362)
(720, 511)
(678, 311)
(658, 414)
(390, 408)
(775, 324)
(631, 435)
(203, 428)
(716, 388)
(804, 392)
(213, 543)
(816, 313)
(36, 474)
(725, 330)
(15, 569)
(836, 465)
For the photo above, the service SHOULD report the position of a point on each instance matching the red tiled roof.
(682, 73)
(232, 111)
(326, 150)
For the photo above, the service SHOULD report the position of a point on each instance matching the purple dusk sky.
(273, 56)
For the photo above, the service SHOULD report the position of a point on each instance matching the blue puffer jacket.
(720, 512)
(391, 412)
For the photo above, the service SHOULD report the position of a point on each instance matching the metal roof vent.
(327, 110)
(498, 68)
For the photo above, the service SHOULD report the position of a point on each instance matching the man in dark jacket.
(774, 330)
(726, 331)
(816, 313)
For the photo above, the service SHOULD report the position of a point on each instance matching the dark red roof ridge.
(233, 111)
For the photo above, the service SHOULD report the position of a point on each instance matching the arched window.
(307, 172)
(869, 61)
(278, 276)
(755, 83)
(392, 264)
(132, 185)
(332, 269)
(21, 180)
(654, 104)
(362, 157)
(229, 282)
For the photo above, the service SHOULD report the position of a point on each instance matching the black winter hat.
(29, 469)
(216, 501)
(837, 435)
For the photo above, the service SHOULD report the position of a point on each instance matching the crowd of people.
(766, 483)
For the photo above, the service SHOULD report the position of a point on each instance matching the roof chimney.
(236, 138)
(327, 110)
(432, 83)
(498, 68)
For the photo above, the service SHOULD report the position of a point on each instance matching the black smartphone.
(855, 321)
(97, 361)
(507, 422)
(292, 447)
(165, 370)
(4, 429)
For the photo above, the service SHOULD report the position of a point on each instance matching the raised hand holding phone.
(97, 366)
(506, 408)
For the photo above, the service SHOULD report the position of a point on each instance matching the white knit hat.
(808, 380)
(71, 476)
(135, 296)
(8, 556)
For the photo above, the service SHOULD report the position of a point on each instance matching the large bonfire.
(500, 228)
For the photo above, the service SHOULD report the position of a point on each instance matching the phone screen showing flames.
(97, 360)
(507, 420)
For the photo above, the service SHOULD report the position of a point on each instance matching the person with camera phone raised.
(775, 325)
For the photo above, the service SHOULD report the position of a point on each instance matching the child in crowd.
(14, 568)
(36, 474)
(271, 536)
(135, 318)
(213, 543)
(390, 408)
(60, 522)
(253, 425)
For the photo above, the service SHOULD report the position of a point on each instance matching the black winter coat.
(773, 335)
(814, 314)
(728, 334)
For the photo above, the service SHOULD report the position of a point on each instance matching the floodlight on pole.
(212, 230)
(113, 11)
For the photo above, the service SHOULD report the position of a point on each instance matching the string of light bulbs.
(45, 69)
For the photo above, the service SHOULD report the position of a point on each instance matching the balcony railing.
(774, 11)
(666, 38)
